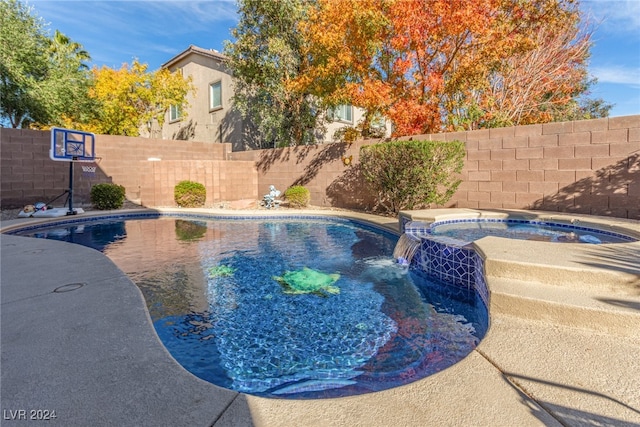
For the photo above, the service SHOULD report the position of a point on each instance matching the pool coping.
(145, 386)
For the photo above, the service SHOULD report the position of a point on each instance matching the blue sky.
(117, 31)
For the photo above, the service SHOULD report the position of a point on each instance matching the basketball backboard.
(72, 145)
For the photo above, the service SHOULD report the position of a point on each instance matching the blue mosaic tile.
(454, 264)
(461, 256)
(153, 215)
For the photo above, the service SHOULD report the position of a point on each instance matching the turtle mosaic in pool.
(295, 308)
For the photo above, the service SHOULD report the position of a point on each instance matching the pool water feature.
(405, 249)
(212, 292)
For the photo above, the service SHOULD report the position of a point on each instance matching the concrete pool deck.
(76, 339)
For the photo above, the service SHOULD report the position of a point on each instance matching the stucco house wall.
(222, 124)
(357, 115)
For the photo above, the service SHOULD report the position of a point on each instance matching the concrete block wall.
(224, 180)
(29, 175)
(320, 168)
(589, 166)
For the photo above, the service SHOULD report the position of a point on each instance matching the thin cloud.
(615, 16)
(617, 74)
(195, 12)
(165, 18)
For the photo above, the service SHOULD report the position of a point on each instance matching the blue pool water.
(211, 290)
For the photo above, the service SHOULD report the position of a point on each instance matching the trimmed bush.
(297, 196)
(189, 194)
(107, 196)
(412, 174)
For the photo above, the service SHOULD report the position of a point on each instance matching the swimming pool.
(218, 294)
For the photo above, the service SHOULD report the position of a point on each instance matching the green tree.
(590, 108)
(23, 65)
(265, 56)
(62, 48)
(70, 79)
(43, 80)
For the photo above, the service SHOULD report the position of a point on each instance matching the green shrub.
(297, 196)
(107, 196)
(189, 194)
(412, 174)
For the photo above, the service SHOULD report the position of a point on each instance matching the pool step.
(602, 311)
(586, 286)
(612, 268)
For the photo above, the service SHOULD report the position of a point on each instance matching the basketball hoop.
(68, 145)
(89, 169)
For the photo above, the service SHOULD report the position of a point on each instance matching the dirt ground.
(8, 214)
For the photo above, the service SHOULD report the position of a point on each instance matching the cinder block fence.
(590, 166)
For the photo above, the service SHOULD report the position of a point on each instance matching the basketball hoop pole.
(71, 211)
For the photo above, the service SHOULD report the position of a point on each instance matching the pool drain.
(68, 287)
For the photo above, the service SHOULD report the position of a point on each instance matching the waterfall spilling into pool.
(405, 249)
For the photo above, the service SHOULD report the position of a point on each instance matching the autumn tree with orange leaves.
(538, 85)
(342, 55)
(437, 65)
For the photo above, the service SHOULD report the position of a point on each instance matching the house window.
(215, 96)
(175, 112)
(341, 113)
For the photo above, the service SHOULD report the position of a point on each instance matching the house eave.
(197, 51)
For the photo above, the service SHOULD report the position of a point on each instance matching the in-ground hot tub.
(546, 274)
(469, 230)
(467, 225)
